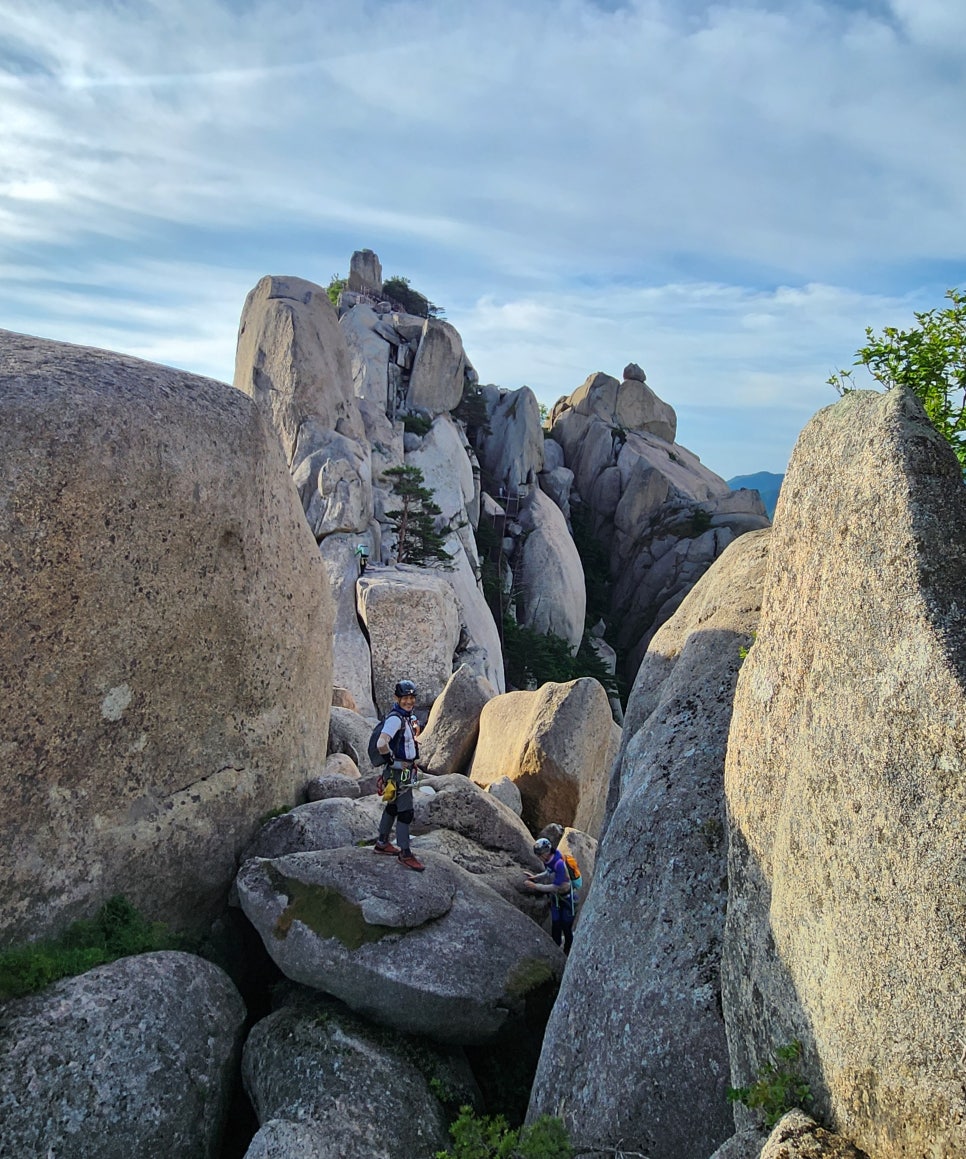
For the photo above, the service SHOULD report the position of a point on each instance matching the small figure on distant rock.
(397, 743)
(363, 554)
(555, 880)
(633, 373)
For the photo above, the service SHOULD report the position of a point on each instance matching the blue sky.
(726, 194)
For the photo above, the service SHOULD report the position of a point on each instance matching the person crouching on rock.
(397, 743)
(555, 881)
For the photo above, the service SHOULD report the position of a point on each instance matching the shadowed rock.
(133, 1058)
(846, 785)
(654, 922)
(365, 1090)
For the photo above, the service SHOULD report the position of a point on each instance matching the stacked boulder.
(661, 515)
(334, 389)
(398, 973)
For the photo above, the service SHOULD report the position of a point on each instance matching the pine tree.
(417, 539)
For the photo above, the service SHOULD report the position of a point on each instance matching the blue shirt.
(559, 875)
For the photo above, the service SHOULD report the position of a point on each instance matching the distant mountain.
(765, 483)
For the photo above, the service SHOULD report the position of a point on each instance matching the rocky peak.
(365, 273)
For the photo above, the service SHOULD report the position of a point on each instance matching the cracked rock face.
(160, 680)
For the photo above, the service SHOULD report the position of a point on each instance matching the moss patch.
(324, 911)
(528, 975)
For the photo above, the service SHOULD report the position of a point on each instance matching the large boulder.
(436, 382)
(292, 359)
(659, 514)
(553, 598)
(365, 273)
(744, 1144)
(557, 745)
(499, 870)
(679, 709)
(413, 624)
(349, 734)
(511, 451)
(459, 805)
(334, 480)
(369, 1094)
(284, 1139)
(663, 859)
(846, 785)
(446, 744)
(133, 1058)
(332, 823)
(399, 947)
(443, 456)
(164, 659)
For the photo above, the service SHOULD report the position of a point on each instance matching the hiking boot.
(386, 847)
(410, 861)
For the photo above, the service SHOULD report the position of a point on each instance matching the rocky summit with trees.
(749, 737)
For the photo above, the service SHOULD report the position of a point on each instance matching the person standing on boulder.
(397, 743)
(555, 881)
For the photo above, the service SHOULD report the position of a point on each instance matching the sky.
(725, 193)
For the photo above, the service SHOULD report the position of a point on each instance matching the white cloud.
(581, 183)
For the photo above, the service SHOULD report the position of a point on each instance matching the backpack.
(376, 758)
(576, 881)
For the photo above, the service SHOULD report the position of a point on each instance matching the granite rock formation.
(654, 922)
(846, 785)
(162, 680)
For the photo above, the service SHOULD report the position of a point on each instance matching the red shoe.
(411, 862)
(388, 847)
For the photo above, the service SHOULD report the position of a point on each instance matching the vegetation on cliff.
(929, 359)
(117, 929)
(418, 541)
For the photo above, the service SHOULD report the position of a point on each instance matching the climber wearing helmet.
(397, 743)
(555, 881)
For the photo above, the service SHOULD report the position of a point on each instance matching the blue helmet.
(405, 688)
(542, 846)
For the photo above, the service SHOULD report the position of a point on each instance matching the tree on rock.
(418, 540)
(412, 301)
(930, 360)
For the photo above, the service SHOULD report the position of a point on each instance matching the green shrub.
(412, 301)
(417, 424)
(532, 658)
(472, 410)
(779, 1087)
(335, 287)
(929, 359)
(700, 521)
(116, 931)
(273, 813)
(491, 1137)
